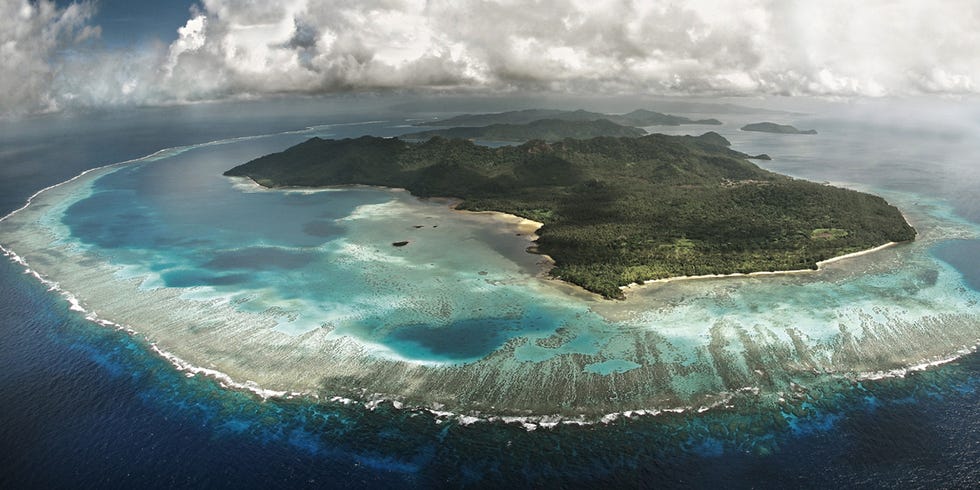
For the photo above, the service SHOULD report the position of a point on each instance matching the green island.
(769, 127)
(542, 129)
(615, 211)
(639, 117)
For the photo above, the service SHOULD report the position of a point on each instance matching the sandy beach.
(634, 286)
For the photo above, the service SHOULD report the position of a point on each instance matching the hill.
(639, 117)
(768, 127)
(615, 210)
(542, 129)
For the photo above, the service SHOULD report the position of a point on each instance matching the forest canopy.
(616, 210)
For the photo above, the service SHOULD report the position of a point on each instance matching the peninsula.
(768, 127)
(543, 129)
(639, 117)
(615, 211)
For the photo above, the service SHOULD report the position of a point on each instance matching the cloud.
(31, 34)
(245, 48)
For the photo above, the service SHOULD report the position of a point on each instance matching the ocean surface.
(88, 405)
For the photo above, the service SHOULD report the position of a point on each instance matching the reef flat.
(300, 291)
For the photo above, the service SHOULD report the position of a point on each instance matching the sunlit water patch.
(370, 293)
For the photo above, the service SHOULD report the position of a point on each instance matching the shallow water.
(304, 291)
(166, 227)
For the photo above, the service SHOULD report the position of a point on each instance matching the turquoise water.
(962, 255)
(303, 291)
(611, 366)
(105, 407)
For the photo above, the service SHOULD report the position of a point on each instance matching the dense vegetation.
(615, 210)
(768, 127)
(639, 117)
(543, 129)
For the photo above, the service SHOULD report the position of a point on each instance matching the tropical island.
(543, 129)
(769, 127)
(639, 117)
(615, 211)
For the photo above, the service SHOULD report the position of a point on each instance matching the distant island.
(544, 129)
(768, 127)
(615, 211)
(639, 117)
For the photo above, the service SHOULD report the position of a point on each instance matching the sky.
(130, 23)
(108, 53)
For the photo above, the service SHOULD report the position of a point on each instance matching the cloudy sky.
(59, 55)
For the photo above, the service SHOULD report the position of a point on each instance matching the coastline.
(525, 227)
(634, 286)
(529, 228)
(267, 384)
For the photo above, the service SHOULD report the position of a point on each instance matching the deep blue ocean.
(84, 406)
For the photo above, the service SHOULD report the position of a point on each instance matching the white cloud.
(30, 36)
(234, 48)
